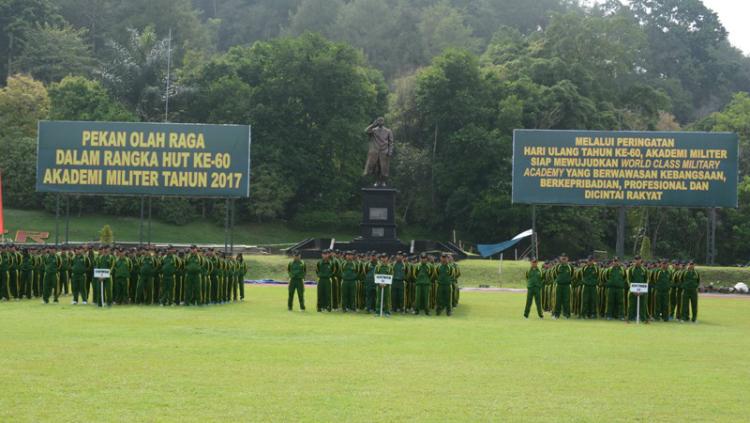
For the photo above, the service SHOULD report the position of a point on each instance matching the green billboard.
(606, 168)
(159, 159)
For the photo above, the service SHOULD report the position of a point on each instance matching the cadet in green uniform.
(240, 272)
(383, 297)
(423, 274)
(297, 271)
(78, 267)
(362, 268)
(455, 291)
(370, 289)
(336, 260)
(675, 310)
(169, 265)
(324, 269)
(615, 285)
(4, 275)
(193, 274)
(349, 274)
(13, 275)
(690, 280)
(62, 274)
(411, 283)
(121, 277)
(444, 272)
(637, 274)
(563, 273)
(533, 289)
(144, 292)
(662, 282)
(51, 266)
(399, 286)
(26, 273)
(590, 280)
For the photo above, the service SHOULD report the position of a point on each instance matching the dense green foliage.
(452, 77)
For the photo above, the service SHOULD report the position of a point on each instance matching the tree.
(78, 98)
(315, 16)
(23, 102)
(136, 75)
(442, 26)
(106, 236)
(309, 100)
(17, 19)
(269, 195)
(50, 53)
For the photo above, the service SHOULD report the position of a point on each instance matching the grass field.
(127, 229)
(255, 361)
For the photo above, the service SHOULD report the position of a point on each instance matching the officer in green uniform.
(324, 269)
(411, 283)
(25, 273)
(399, 286)
(144, 292)
(370, 289)
(383, 295)
(349, 274)
(423, 274)
(675, 294)
(336, 260)
(690, 280)
(297, 271)
(51, 266)
(193, 274)
(38, 273)
(169, 265)
(533, 289)
(636, 273)
(444, 272)
(78, 267)
(455, 291)
(121, 277)
(362, 269)
(615, 285)
(240, 272)
(562, 273)
(62, 274)
(662, 282)
(590, 280)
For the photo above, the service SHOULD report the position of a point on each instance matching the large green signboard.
(143, 159)
(600, 168)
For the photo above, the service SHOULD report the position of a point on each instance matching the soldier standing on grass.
(349, 272)
(193, 270)
(563, 274)
(615, 285)
(423, 274)
(590, 280)
(297, 271)
(169, 265)
(533, 289)
(662, 280)
(690, 280)
(397, 290)
(324, 269)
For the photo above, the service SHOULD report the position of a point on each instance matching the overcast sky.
(734, 16)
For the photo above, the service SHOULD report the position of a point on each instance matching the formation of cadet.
(346, 282)
(591, 290)
(137, 276)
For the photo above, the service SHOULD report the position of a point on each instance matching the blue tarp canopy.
(487, 250)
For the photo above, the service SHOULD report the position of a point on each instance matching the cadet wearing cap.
(349, 274)
(397, 290)
(324, 269)
(296, 270)
(590, 279)
(533, 289)
(636, 273)
(563, 273)
(615, 285)
(423, 275)
(690, 280)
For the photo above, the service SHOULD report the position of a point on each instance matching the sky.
(733, 14)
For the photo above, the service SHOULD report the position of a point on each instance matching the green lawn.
(127, 229)
(255, 361)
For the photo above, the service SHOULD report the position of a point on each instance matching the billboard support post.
(534, 245)
(140, 228)
(148, 237)
(57, 220)
(67, 219)
(620, 246)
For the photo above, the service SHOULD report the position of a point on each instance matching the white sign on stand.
(638, 289)
(383, 280)
(101, 274)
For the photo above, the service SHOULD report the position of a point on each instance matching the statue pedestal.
(378, 214)
(378, 227)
